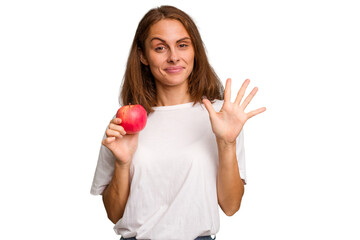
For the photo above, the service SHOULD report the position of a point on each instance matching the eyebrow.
(162, 40)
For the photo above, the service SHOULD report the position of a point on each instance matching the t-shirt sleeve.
(240, 155)
(104, 170)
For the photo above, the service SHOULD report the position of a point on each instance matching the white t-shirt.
(173, 176)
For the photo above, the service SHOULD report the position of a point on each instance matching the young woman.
(167, 181)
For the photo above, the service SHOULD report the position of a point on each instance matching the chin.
(173, 81)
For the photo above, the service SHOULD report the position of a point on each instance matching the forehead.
(168, 29)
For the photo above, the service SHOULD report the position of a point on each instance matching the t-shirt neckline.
(173, 107)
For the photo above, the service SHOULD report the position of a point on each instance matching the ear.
(143, 58)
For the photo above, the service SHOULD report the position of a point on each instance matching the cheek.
(190, 58)
(190, 61)
(155, 62)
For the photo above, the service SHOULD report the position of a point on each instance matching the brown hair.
(139, 85)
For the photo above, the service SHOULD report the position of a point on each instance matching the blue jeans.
(198, 238)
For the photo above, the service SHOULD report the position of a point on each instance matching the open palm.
(229, 121)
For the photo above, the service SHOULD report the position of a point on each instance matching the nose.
(173, 56)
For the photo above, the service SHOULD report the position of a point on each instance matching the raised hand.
(228, 123)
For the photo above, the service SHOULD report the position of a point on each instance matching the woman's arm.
(230, 187)
(227, 125)
(116, 194)
(123, 147)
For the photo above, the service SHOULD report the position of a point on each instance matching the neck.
(172, 100)
(172, 96)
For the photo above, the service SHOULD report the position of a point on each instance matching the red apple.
(133, 118)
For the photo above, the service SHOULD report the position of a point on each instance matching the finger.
(117, 128)
(248, 98)
(241, 92)
(108, 140)
(209, 107)
(256, 112)
(116, 121)
(113, 133)
(227, 91)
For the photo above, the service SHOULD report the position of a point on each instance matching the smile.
(173, 69)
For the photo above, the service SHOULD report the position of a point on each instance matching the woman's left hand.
(228, 123)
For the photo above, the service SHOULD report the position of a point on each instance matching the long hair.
(138, 85)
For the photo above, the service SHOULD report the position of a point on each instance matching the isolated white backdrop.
(61, 65)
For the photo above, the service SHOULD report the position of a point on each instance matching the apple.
(133, 118)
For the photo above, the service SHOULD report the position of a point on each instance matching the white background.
(61, 65)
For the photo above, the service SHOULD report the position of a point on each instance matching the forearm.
(230, 187)
(116, 194)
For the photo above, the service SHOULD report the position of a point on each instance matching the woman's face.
(169, 52)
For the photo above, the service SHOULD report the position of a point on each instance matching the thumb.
(209, 107)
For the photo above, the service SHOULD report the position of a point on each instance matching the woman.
(167, 181)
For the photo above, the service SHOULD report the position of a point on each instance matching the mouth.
(174, 69)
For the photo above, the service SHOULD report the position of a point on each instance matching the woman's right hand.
(122, 145)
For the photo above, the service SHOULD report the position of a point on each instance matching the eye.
(160, 49)
(183, 45)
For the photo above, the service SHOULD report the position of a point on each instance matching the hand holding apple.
(123, 132)
(133, 118)
(122, 145)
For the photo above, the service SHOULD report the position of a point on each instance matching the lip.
(175, 69)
